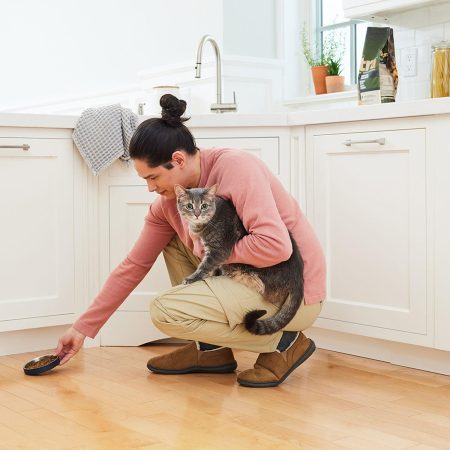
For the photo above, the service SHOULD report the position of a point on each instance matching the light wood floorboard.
(105, 398)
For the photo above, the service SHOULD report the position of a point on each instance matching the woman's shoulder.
(228, 156)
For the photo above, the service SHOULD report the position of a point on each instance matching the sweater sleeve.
(249, 186)
(155, 235)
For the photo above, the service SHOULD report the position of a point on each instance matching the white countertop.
(305, 117)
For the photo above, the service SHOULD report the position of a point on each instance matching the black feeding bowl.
(41, 364)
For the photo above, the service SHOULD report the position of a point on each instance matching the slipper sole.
(227, 368)
(309, 351)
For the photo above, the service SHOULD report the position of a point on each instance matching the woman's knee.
(159, 311)
(167, 308)
(167, 316)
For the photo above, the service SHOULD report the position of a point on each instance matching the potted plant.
(334, 80)
(317, 60)
(334, 53)
(325, 61)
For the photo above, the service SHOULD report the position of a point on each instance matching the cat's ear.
(179, 190)
(213, 189)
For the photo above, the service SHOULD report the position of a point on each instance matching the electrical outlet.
(409, 62)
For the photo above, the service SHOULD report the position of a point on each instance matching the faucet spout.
(198, 67)
(218, 106)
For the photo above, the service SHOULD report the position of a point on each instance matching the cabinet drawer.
(368, 206)
(265, 148)
(37, 239)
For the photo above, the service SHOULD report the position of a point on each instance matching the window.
(330, 17)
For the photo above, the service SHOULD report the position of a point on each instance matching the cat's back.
(226, 220)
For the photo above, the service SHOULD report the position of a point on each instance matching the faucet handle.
(141, 109)
(225, 107)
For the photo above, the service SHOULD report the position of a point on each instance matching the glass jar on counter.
(440, 70)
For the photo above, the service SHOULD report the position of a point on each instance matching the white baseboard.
(36, 340)
(31, 340)
(406, 355)
(422, 358)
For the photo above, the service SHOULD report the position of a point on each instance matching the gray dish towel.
(103, 135)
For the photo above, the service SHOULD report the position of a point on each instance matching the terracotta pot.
(319, 73)
(335, 83)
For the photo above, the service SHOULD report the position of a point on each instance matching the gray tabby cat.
(215, 221)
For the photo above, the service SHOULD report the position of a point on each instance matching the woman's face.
(162, 180)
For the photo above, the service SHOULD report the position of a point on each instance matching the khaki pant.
(212, 310)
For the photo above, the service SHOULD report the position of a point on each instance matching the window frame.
(351, 23)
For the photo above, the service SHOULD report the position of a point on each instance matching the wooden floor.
(105, 398)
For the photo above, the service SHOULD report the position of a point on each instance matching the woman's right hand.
(69, 344)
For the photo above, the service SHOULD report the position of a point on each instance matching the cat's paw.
(191, 279)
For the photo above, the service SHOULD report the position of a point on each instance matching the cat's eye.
(204, 206)
(190, 206)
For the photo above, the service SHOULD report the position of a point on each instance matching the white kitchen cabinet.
(271, 144)
(37, 231)
(438, 137)
(367, 203)
(380, 211)
(379, 10)
(266, 148)
(124, 203)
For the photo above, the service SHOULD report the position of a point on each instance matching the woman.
(210, 312)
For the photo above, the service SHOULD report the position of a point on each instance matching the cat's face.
(197, 205)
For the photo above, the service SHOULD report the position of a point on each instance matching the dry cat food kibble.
(41, 364)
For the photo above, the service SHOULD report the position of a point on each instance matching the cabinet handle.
(380, 141)
(23, 146)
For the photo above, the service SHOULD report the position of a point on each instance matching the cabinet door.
(265, 148)
(369, 210)
(127, 205)
(37, 238)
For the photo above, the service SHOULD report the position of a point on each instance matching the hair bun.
(172, 110)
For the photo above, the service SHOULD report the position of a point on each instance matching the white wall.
(64, 56)
(250, 28)
(53, 49)
(297, 73)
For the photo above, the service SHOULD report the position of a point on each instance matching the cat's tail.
(277, 322)
(290, 306)
(288, 309)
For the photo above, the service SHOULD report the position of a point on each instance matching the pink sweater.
(266, 210)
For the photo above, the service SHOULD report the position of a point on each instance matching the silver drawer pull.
(23, 146)
(380, 141)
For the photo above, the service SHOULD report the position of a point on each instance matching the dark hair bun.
(172, 110)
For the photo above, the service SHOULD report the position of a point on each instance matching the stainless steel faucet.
(217, 107)
(141, 109)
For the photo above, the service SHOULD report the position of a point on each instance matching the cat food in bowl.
(41, 364)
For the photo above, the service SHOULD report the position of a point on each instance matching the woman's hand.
(69, 344)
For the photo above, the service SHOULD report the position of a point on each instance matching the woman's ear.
(178, 158)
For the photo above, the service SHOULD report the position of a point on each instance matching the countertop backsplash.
(419, 29)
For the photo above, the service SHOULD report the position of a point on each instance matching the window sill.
(324, 101)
